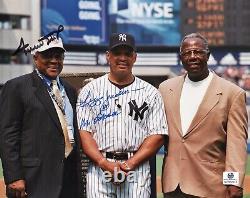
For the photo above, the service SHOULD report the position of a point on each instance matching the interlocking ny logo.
(139, 112)
(122, 37)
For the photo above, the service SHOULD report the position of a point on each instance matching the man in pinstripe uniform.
(122, 123)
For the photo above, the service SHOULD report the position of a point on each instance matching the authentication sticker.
(231, 178)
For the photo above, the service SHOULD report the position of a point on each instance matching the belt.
(118, 155)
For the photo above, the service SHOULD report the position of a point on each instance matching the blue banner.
(90, 22)
(153, 23)
(83, 20)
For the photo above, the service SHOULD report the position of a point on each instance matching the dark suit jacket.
(31, 138)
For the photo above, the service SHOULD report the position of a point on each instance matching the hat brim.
(121, 44)
(43, 50)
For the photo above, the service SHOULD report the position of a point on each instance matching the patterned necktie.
(59, 109)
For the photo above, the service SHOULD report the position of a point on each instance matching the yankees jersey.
(120, 119)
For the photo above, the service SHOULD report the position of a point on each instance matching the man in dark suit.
(38, 129)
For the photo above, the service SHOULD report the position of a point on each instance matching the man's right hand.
(111, 167)
(106, 165)
(234, 192)
(16, 189)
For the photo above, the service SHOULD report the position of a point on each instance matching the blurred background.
(158, 26)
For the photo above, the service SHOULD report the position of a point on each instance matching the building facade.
(17, 19)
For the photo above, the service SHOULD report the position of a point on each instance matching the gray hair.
(195, 35)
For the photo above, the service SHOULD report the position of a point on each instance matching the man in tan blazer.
(207, 122)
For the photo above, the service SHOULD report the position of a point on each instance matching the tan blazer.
(216, 140)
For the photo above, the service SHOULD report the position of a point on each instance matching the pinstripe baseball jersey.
(120, 119)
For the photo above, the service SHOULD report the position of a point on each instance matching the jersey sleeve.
(84, 110)
(157, 122)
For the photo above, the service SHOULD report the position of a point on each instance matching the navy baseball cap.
(118, 39)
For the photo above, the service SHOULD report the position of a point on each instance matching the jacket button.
(183, 140)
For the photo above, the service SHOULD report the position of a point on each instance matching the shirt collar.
(48, 81)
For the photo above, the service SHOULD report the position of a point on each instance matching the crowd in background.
(238, 75)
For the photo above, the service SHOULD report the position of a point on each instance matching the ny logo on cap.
(122, 37)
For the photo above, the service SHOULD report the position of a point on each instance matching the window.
(14, 22)
(7, 58)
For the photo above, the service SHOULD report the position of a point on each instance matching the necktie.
(59, 109)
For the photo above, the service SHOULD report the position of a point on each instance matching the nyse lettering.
(152, 10)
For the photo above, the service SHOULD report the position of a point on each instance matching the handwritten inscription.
(102, 103)
(91, 102)
(100, 117)
(85, 123)
(103, 116)
(26, 48)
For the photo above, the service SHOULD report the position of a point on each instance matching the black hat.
(118, 39)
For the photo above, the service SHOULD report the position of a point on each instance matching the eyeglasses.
(196, 52)
(48, 55)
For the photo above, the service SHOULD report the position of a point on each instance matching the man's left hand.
(127, 166)
(234, 192)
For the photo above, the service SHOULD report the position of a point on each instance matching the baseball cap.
(48, 43)
(118, 39)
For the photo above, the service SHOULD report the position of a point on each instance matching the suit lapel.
(175, 103)
(44, 97)
(210, 100)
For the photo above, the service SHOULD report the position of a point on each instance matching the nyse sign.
(149, 21)
(152, 10)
